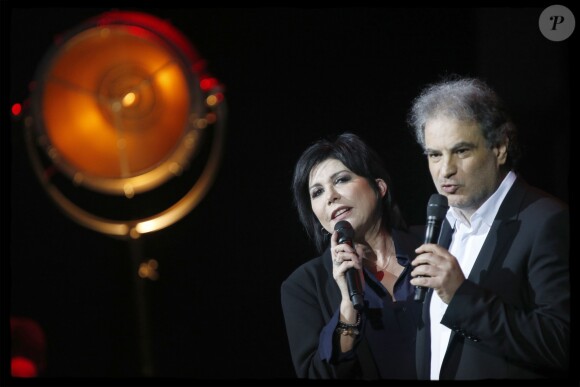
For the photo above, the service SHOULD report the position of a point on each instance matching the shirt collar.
(487, 211)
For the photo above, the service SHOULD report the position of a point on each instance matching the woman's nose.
(332, 196)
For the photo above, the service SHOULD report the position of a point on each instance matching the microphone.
(436, 210)
(345, 235)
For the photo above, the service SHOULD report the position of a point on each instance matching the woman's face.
(337, 193)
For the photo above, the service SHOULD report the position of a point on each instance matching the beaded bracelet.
(346, 329)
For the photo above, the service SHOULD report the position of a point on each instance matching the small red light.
(22, 367)
(208, 83)
(16, 109)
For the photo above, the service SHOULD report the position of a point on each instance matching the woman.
(345, 180)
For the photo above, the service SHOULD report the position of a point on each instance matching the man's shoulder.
(534, 194)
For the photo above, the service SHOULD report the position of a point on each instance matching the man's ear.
(502, 152)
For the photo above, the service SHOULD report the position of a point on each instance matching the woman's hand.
(344, 257)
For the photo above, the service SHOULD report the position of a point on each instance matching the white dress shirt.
(466, 243)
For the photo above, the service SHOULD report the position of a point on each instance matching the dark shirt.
(388, 326)
(385, 348)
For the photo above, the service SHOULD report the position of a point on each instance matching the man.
(498, 299)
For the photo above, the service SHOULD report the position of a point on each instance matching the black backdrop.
(291, 75)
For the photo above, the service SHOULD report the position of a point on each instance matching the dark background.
(291, 76)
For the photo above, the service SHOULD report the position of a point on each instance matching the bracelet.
(351, 331)
(346, 329)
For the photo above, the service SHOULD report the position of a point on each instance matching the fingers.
(425, 282)
(427, 253)
(346, 259)
(424, 269)
(426, 265)
(345, 255)
(430, 248)
(334, 239)
(430, 260)
(436, 268)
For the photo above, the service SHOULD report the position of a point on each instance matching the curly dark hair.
(466, 99)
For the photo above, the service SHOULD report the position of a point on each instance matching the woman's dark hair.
(357, 156)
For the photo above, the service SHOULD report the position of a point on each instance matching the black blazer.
(511, 317)
(310, 298)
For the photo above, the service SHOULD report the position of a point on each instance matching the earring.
(324, 232)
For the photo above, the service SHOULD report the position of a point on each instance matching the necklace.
(381, 273)
(386, 264)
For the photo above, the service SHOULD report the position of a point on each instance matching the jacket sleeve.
(520, 307)
(310, 322)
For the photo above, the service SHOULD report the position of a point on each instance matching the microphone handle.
(353, 280)
(420, 292)
(431, 236)
(354, 286)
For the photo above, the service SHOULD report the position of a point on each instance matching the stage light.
(125, 127)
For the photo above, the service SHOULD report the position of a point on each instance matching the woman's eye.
(315, 193)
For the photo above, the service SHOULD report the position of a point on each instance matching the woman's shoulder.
(313, 267)
(417, 232)
(307, 278)
(411, 235)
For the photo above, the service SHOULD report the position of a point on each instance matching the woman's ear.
(382, 187)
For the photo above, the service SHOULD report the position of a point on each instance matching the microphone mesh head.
(437, 206)
(345, 230)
